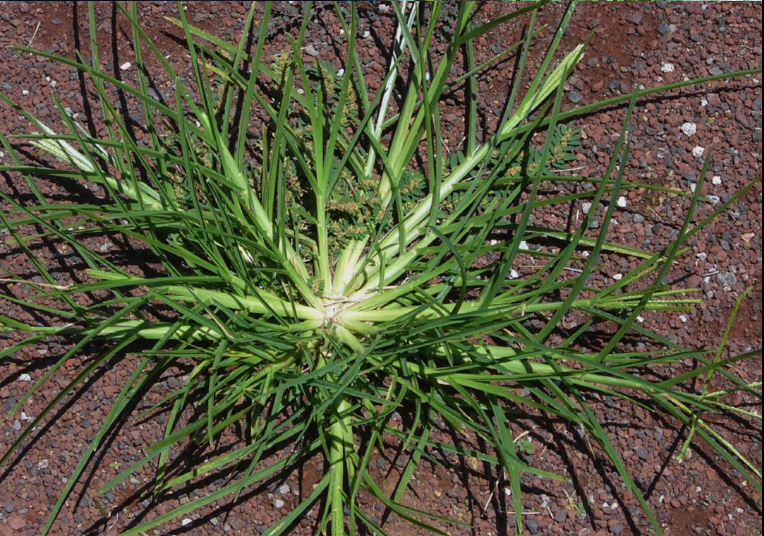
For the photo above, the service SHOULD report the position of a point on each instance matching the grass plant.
(341, 265)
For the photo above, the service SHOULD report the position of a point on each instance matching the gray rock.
(727, 279)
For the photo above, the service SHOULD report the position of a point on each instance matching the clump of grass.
(352, 268)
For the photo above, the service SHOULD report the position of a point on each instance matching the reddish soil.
(632, 43)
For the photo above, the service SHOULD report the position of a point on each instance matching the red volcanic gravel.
(633, 43)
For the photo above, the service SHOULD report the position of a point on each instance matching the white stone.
(278, 503)
(523, 245)
(717, 180)
(683, 318)
(621, 202)
(284, 489)
(513, 274)
(586, 207)
(125, 66)
(689, 128)
(698, 151)
(25, 378)
(667, 67)
(187, 521)
(618, 277)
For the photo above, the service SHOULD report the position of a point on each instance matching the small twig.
(551, 436)
(496, 486)
(493, 491)
(31, 283)
(568, 170)
(34, 34)
(116, 518)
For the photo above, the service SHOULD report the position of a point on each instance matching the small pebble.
(698, 151)
(717, 180)
(667, 67)
(25, 378)
(621, 202)
(513, 274)
(278, 503)
(16, 522)
(618, 277)
(187, 521)
(311, 50)
(125, 66)
(574, 97)
(586, 207)
(284, 489)
(727, 279)
(689, 129)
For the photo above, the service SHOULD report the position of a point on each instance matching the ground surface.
(633, 43)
